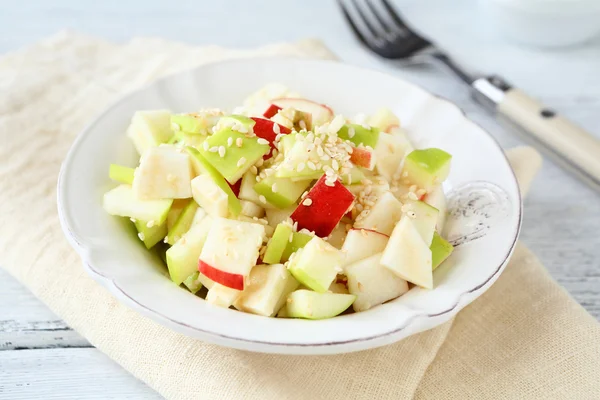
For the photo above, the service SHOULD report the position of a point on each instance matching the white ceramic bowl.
(486, 201)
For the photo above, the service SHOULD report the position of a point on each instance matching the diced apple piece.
(237, 123)
(375, 188)
(266, 291)
(231, 251)
(437, 199)
(320, 113)
(407, 255)
(426, 168)
(149, 233)
(323, 207)
(275, 216)
(316, 265)
(359, 135)
(192, 283)
(205, 281)
(338, 236)
(232, 161)
(164, 173)
(210, 196)
(251, 210)
(296, 162)
(363, 243)
(440, 250)
(280, 192)
(149, 129)
(312, 305)
(123, 202)
(268, 130)
(299, 240)
(222, 296)
(183, 223)
(389, 153)
(424, 218)
(247, 191)
(383, 119)
(271, 111)
(203, 167)
(383, 216)
(182, 257)
(363, 157)
(277, 244)
(176, 209)
(121, 174)
(372, 283)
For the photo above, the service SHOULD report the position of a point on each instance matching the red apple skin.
(363, 158)
(235, 188)
(233, 281)
(263, 128)
(271, 111)
(328, 207)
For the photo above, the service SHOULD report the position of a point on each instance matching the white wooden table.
(41, 356)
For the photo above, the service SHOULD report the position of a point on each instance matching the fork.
(382, 30)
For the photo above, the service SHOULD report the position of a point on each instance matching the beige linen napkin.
(524, 338)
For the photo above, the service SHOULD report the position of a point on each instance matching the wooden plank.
(67, 374)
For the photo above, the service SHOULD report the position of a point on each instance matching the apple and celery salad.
(284, 208)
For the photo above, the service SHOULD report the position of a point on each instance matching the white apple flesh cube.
(276, 216)
(389, 153)
(372, 283)
(363, 243)
(267, 289)
(123, 202)
(250, 209)
(316, 265)
(149, 129)
(164, 173)
(230, 251)
(424, 218)
(182, 257)
(407, 255)
(210, 196)
(383, 216)
(384, 119)
(437, 199)
(247, 191)
(222, 296)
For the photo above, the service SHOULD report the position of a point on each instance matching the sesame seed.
(307, 202)
(132, 219)
(329, 182)
(412, 196)
(205, 145)
(304, 194)
(254, 170)
(335, 165)
(239, 142)
(302, 124)
(241, 161)
(421, 192)
(274, 188)
(262, 141)
(150, 224)
(175, 126)
(141, 236)
(222, 151)
(229, 141)
(257, 178)
(291, 237)
(214, 149)
(311, 165)
(260, 163)
(300, 167)
(351, 132)
(276, 129)
(262, 199)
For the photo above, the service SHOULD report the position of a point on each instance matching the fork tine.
(378, 17)
(353, 26)
(395, 16)
(365, 20)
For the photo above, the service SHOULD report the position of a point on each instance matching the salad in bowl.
(283, 208)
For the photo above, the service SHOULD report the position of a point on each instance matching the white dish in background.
(545, 23)
(113, 256)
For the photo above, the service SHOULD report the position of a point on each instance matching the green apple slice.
(316, 265)
(440, 250)
(424, 217)
(278, 243)
(121, 174)
(298, 163)
(426, 168)
(149, 129)
(164, 173)
(195, 124)
(183, 222)
(192, 283)
(182, 257)
(312, 305)
(238, 123)
(372, 283)
(149, 233)
(281, 192)
(232, 161)
(202, 166)
(123, 202)
(176, 209)
(299, 240)
(407, 255)
(210, 196)
(267, 290)
(358, 135)
(383, 216)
